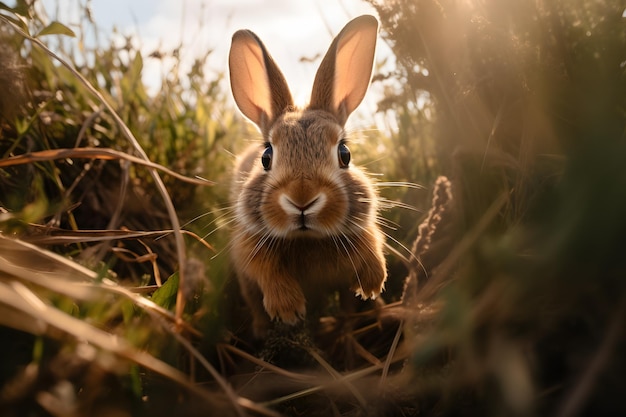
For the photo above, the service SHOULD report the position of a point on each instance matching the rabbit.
(305, 218)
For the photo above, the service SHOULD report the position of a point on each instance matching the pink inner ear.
(344, 74)
(248, 78)
(258, 85)
(353, 68)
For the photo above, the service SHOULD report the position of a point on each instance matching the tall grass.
(83, 148)
(512, 114)
(528, 122)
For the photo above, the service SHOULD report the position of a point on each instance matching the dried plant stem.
(16, 295)
(391, 354)
(94, 153)
(337, 376)
(82, 236)
(353, 376)
(235, 399)
(260, 362)
(55, 272)
(442, 198)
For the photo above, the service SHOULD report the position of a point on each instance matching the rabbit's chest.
(319, 264)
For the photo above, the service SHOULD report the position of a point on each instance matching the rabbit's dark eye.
(266, 158)
(344, 155)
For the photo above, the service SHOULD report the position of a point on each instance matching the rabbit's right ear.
(258, 85)
(344, 74)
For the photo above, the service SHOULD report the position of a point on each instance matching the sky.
(290, 29)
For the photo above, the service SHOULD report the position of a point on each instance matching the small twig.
(153, 260)
(85, 125)
(131, 257)
(124, 179)
(337, 376)
(391, 354)
(64, 237)
(113, 222)
(362, 352)
(95, 153)
(302, 393)
(228, 390)
(267, 365)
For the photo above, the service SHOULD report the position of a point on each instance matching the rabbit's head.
(301, 182)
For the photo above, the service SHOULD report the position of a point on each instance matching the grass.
(528, 105)
(514, 298)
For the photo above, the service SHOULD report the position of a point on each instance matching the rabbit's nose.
(293, 206)
(307, 205)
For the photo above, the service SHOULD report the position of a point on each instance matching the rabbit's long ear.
(258, 85)
(344, 74)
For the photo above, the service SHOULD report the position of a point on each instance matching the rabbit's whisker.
(403, 184)
(356, 272)
(222, 223)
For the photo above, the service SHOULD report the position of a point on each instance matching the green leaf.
(19, 9)
(136, 67)
(56, 28)
(166, 295)
(17, 21)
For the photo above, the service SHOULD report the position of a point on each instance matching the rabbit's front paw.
(287, 306)
(371, 282)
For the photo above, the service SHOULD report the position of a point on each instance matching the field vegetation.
(506, 188)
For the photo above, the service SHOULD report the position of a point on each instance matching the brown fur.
(307, 226)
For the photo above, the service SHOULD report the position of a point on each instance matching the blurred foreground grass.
(515, 299)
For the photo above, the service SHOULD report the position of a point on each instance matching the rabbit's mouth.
(305, 233)
(307, 227)
(303, 227)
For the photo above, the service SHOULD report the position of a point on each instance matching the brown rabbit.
(305, 218)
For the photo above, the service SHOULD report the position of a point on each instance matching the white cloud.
(290, 29)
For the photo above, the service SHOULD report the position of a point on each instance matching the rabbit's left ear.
(258, 85)
(345, 72)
